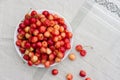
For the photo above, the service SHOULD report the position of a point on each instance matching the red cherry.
(83, 52)
(37, 54)
(88, 78)
(38, 62)
(33, 45)
(27, 45)
(31, 30)
(54, 71)
(38, 23)
(33, 13)
(67, 46)
(55, 32)
(42, 29)
(30, 63)
(82, 73)
(60, 21)
(78, 48)
(44, 43)
(37, 50)
(22, 32)
(36, 32)
(26, 57)
(33, 20)
(26, 22)
(65, 26)
(34, 39)
(52, 62)
(50, 42)
(19, 29)
(47, 64)
(45, 39)
(66, 40)
(69, 34)
(22, 50)
(27, 16)
(62, 43)
(55, 38)
(51, 57)
(50, 17)
(44, 56)
(18, 42)
(22, 25)
(43, 50)
(20, 36)
(57, 45)
(62, 49)
(33, 26)
(38, 44)
(46, 22)
(40, 36)
(52, 48)
(46, 13)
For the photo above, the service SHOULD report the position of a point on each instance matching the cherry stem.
(88, 46)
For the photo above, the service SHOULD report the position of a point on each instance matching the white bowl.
(66, 53)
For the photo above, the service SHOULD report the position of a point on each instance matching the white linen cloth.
(92, 25)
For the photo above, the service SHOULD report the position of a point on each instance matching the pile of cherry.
(72, 57)
(43, 38)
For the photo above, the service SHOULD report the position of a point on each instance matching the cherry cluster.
(43, 38)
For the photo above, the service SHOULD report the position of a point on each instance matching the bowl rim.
(66, 53)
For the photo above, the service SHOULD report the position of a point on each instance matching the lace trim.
(110, 6)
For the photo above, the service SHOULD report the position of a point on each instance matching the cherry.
(46, 13)
(33, 26)
(50, 42)
(18, 43)
(47, 64)
(62, 49)
(51, 57)
(72, 56)
(67, 46)
(69, 76)
(82, 73)
(34, 39)
(54, 72)
(22, 50)
(30, 63)
(88, 78)
(78, 47)
(42, 29)
(38, 44)
(22, 25)
(26, 57)
(26, 22)
(27, 45)
(83, 52)
(33, 13)
(33, 20)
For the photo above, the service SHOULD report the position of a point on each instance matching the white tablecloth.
(93, 24)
